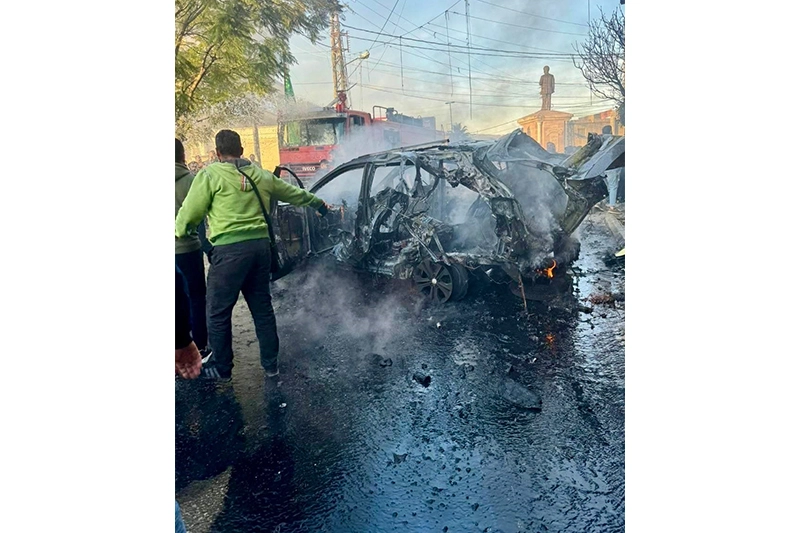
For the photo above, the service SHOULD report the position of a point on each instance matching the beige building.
(579, 129)
(547, 127)
(266, 150)
(562, 130)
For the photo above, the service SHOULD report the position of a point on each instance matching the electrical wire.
(395, 29)
(526, 54)
(434, 36)
(391, 90)
(513, 55)
(493, 79)
(495, 40)
(529, 28)
(532, 15)
(493, 93)
(384, 22)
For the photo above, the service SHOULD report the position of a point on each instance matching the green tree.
(225, 48)
(458, 132)
(601, 58)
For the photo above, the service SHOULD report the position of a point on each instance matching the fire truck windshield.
(316, 132)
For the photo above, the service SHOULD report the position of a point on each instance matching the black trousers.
(241, 267)
(194, 270)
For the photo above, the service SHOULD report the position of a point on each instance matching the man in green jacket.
(240, 261)
(188, 254)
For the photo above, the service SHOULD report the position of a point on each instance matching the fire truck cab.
(307, 144)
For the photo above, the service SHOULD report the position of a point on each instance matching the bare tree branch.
(601, 58)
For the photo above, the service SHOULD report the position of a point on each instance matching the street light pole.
(361, 57)
(451, 114)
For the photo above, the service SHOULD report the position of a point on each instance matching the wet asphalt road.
(521, 427)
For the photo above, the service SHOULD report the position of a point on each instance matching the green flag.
(293, 137)
(288, 90)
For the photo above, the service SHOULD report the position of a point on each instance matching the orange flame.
(549, 271)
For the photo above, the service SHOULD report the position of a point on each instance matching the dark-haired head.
(180, 154)
(228, 144)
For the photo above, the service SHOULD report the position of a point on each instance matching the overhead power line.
(385, 21)
(493, 79)
(392, 90)
(422, 55)
(495, 126)
(491, 39)
(385, 48)
(532, 15)
(434, 36)
(490, 94)
(497, 50)
(529, 28)
(513, 55)
(402, 17)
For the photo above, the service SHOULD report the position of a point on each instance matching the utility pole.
(337, 57)
(451, 114)
(469, 58)
(256, 142)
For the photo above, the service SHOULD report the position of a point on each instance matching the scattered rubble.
(520, 396)
(602, 299)
(381, 360)
(425, 381)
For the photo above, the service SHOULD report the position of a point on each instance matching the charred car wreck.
(438, 212)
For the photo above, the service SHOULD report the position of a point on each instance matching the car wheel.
(439, 282)
(461, 281)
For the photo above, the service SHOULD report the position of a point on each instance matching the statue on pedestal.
(548, 86)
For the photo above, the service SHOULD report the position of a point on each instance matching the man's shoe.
(211, 372)
(271, 370)
(205, 354)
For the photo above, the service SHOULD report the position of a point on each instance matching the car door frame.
(361, 208)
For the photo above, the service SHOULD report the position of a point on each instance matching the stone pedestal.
(547, 127)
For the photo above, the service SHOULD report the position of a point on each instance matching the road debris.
(425, 381)
(602, 299)
(520, 396)
(381, 360)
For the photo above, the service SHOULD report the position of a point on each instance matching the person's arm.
(205, 244)
(195, 206)
(187, 358)
(285, 192)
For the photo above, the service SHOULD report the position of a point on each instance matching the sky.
(413, 74)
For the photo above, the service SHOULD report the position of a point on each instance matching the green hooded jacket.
(234, 214)
(183, 181)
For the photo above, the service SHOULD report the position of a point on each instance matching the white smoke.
(372, 314)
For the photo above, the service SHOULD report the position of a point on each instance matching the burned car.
(440, 213)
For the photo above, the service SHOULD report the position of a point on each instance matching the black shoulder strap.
(264, 211)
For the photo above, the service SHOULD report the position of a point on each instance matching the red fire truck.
(307, 144)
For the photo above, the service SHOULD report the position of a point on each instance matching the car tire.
(428, 277)
(460, 282)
